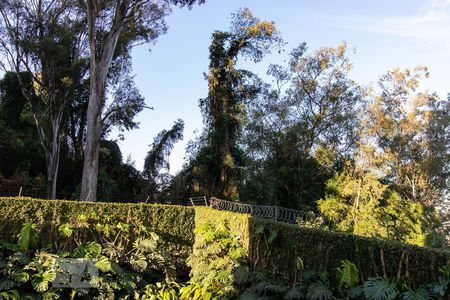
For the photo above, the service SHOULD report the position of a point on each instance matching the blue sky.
(384, 34)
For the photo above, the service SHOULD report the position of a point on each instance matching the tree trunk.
(92, 149)
(50, 143)
(52, 161)
(98, 69)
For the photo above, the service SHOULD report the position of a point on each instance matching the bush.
(174, 224)
(324, 250)
(269, 245)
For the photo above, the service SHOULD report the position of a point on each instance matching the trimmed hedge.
(324, 250)
(319, 250)
(175, 224)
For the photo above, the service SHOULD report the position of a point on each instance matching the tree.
(218, 161)
(113, 25)
(119, 113)
(406, 137)
(157, 157)
(21, 155)
(302, 127)
(357, 202)
(45, 40)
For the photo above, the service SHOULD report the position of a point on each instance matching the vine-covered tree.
(219, 159)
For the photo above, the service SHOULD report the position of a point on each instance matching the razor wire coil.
(277, 213)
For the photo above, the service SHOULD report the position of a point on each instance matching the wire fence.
(277, 213)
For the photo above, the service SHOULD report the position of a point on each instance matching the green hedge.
(324, 250)
(319, 250)
(175, 224)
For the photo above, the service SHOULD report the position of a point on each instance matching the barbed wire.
(277, 213)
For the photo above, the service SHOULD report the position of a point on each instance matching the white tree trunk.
(98, 70)
(92, 149)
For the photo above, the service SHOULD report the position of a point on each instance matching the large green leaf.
(422, 293)
(6, 284)
(40, 282)
(65, 230)
(380, 289)
(9, 295)
(28, 236)
(320, 290)
(348, 274)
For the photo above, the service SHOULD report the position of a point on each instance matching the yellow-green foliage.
(357, 202)
(175, 224)
(238, 224)
(221, 245)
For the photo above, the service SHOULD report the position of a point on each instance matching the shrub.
(324, 250)
(174, 224)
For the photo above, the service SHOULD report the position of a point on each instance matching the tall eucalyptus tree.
(44, 43)
(114, 25)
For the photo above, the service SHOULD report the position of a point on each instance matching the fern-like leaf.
(297, 292)
(439, 287)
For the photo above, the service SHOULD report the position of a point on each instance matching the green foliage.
(325, 250)
(117, 274)
(222, 241)
(65, 230)
(198, 291)
(422, 293)
(348, 274)
(380, 289)
(145, 267)
(9, 295)
(174, 224)
(157, 158)
(216, 256)
(317, 286)
(160, 291)
(217, 165)
(28, 236)
(358, 202)
(320, 290)
(238, 224)
(301, 127)
(312, 221)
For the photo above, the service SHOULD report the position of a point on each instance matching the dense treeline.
(371, 161)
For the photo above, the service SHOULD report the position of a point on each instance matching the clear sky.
(384, 34)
